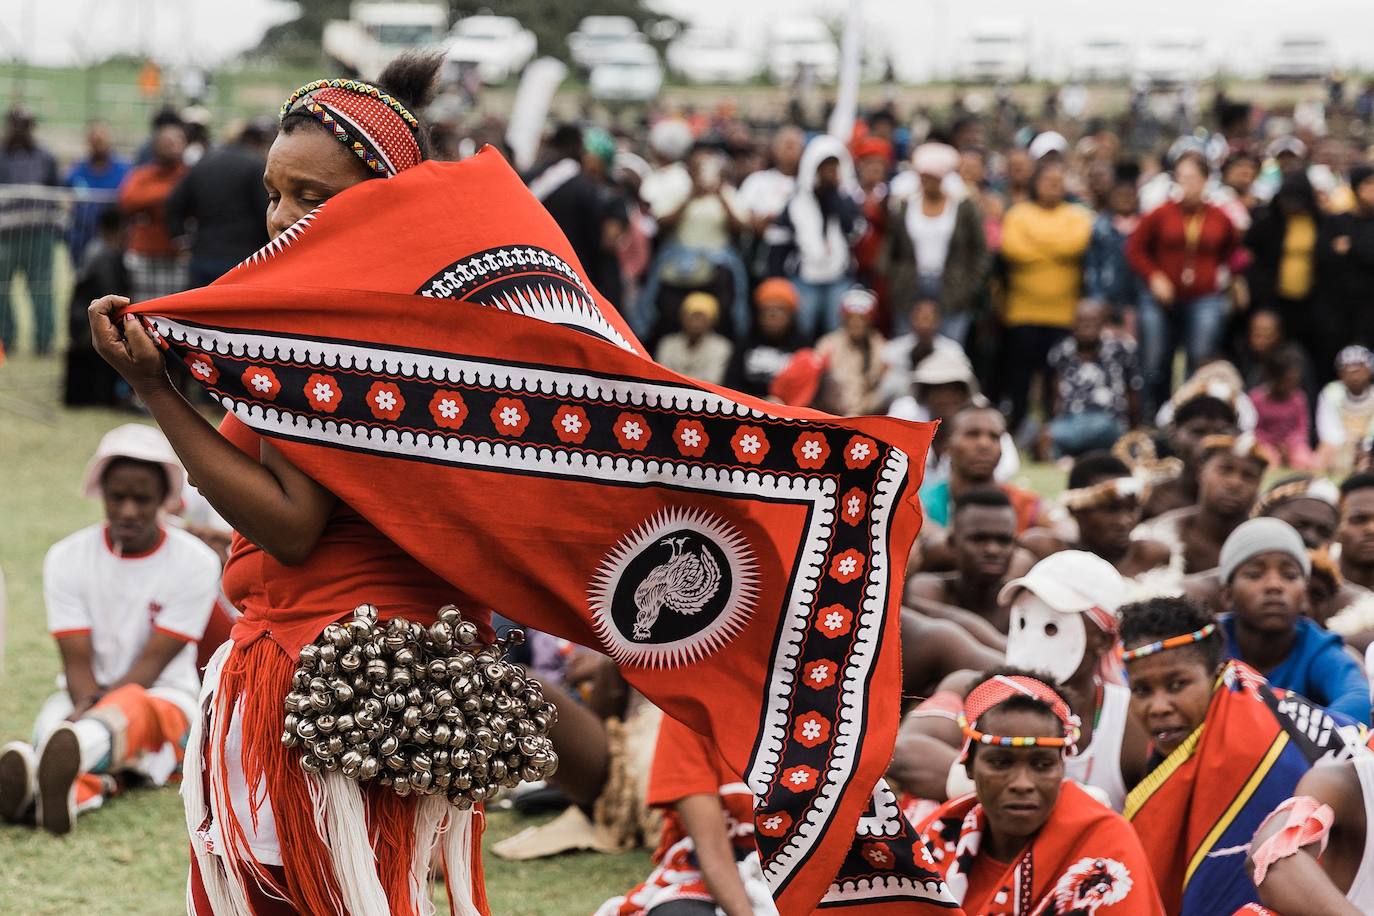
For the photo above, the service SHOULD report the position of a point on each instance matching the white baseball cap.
(1071, 581)
(140, 443)
(1051, 141)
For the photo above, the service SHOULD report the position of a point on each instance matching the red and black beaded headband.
(997, 690)
(373, 124)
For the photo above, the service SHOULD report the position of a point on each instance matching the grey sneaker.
(17, 765)
(58, 767)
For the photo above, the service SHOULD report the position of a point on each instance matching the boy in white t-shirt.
(127, 601)
(1345, 410)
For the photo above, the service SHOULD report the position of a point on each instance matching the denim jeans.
(1198, 325)
(819, 310)
(1073, 434)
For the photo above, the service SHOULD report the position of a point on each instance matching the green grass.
(130, 857)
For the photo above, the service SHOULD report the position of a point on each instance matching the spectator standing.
(1107, 274)
(1181, 251)
(1281, 407)
(220, 204)
(1098, 385)
(156, 267)
(29, 228)
(765, 193)
(1346, 254)
(872, 162)
(697, 351)
(89, 380)
(937, 249)
(771, 342)
(1283, 275)
(103, 169)
(1345, 409)
(568, 194)
(1044, 240)
(854, 356)
(809, 242)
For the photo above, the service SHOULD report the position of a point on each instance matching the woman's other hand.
(126, 345)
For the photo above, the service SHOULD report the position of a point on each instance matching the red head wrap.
(999, 688)
(373, 124)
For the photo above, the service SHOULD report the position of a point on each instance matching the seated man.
(1355, 531)
(1264, 570)
(706, 862)
(982, 538)
(1026, 840)
(1230, 469)
(933, 649)
(127, 601)
(1104, 501)
(1195, 419)
(1064, 624)
(1308, 503)
(1227, 749)
(974, 448)
(1314, 856)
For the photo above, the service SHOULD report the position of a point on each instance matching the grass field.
(130, 857)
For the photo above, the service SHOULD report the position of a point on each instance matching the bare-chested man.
(1194, 421)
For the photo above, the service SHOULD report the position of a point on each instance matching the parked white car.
(1301, 56)
(1102, 58)
(712, 57)
(996, 51)
(1173, 59)
(600, 39)
(375, 33)
(633, 74)
(803, 43)
(497, 45)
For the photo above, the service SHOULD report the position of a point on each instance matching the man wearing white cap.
(127, 602)
(1063, 623)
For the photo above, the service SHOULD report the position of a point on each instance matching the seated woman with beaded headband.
(1227, 748)
(260, 833)
(1027, 840)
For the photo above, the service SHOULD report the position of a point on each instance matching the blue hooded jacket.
(1318, 667)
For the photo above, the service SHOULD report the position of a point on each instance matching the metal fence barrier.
(44, 233)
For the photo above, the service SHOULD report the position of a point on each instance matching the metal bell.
(328, 654)
(459, 664)
(307, 729)
(421, 761)
(422, 780)
(336, 745)
(347, 722)
(365, 612)
(465, 633)
(388, 746)
(289, 739)
(411, 717)
(422, 735)
(309, 657)
(326, 723)
(369, 767)
(395, 762)
(415, 696)
(515, 637)
(507, 742)
(404, 656)
(402, 678)
(395, 701)
(460, 758)
(351, 660)
(450, 615)
(442, 734)
(322, 702)
(351, 760)
(310, 764)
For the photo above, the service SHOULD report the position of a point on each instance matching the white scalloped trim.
(863, 655)
(893, 888)
(886, 821)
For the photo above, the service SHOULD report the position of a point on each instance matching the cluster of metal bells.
(424, 710)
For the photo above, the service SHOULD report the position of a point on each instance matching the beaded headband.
(1318, 488)
(1101, 494)
(1173, 642)
(373, 124)
(1242, 446)
(997, 690)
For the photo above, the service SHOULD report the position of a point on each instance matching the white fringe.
(429, 821)
(354, 861)
(458, 862)
(223, 887)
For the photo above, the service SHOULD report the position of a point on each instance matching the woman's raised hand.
(126, 345)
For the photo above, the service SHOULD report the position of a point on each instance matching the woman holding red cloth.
(1027, 841)
(1183, 251)
(264, 840)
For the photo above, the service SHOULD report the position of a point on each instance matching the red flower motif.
(821, 673)
(853, 506)
(448, 409)
(510, 417)
(750, 444)
(834, 620)
(323, 393)
(811, 450)
(202, 368)
(811, 730)
(385, 401)
(632, 431)
(847, 567)
(860, 452)
(261, 382)
(570, 424)
(800, 778)
(879, 855)
(774, 824)
(691, 439)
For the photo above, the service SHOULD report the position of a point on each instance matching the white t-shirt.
(930, 236)
(122, 601)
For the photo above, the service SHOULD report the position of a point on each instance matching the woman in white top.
(1314, 854)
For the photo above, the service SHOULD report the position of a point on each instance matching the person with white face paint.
(1063, 623)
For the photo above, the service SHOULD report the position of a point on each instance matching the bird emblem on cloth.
(683, 584)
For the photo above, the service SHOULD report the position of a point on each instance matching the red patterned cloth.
(429, 349)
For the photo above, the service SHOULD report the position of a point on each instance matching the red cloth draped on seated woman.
(1085, 860)
(429, 350)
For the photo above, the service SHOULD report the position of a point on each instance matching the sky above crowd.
(924, 35)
